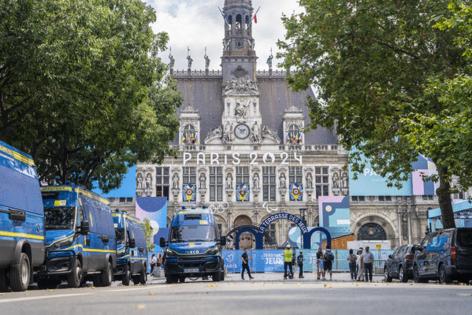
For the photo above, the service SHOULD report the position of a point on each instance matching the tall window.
(242, 175)
(322, 181)
(216, 184)
(162, 182)
(269, 183)
(296, 175)
(190, 175)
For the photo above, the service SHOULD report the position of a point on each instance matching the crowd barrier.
(268, 260)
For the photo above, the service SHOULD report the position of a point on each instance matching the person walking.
(352, 259)
(153, 263)
(360, 264)
(288, 256)
(245, 265)
(368, 258)
(328, 263)
(319, 264)
(300, 265)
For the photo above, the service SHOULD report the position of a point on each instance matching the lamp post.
(302, 214)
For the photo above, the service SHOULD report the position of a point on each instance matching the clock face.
(242, 131)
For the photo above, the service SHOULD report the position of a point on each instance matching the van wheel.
(387, 275)
(106, 278)
(136, 280)
(417, 277)
(402, 276)
(74, 279)
(3, 280)
(20, 275)
(172, 279)
(444, 278)
(126, 276)
(143, 277)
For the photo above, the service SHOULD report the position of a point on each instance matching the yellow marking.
(191, 244)
(18, 156)
(92, 196)
(23, 235)
(203, 222)
(56, 188)
(60, 203)
(91, 250)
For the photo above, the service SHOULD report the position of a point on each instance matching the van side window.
(80, 215)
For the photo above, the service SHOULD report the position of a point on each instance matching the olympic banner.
(154, 210)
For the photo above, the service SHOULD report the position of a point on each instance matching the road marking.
(138, 289)
(33, 298)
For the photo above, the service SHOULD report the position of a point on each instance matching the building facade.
(246, 149)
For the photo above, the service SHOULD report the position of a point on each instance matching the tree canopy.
(383, 72)
(82, 88)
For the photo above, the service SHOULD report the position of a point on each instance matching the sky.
(198, 24)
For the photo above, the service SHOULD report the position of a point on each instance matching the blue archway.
(307, 237)
(254, 230)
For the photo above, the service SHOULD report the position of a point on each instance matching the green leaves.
(82, 88)
(393, 77)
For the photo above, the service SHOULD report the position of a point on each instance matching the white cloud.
(198, 24)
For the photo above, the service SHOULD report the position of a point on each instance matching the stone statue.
(256, 181)
(344, 180)
(216, 133)
(175, 181)
(336, 181)
(229, 181)
(268, 133)
(309, 181)
(228, 134)
(207, 62)
(240, 111)
(282, 181)
(270, 61)
(202, 180)
(256, 138)
(190, 62)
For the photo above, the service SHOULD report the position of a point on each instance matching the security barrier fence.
(272, 260)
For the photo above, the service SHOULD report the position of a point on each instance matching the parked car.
(131, 249)
(399, 265)
(80, 238)
(21, 219)
(445, 256)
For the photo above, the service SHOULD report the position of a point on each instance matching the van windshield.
(193, 233)
(59, 218)
(464, 237)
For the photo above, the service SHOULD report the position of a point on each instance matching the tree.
(372, 63)
(82, 88)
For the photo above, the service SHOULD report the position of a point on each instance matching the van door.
(463, 243)
(421, 256)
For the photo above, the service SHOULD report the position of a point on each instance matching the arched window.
(372, 232)
(239, 22)
(242, 220)
(230, 22)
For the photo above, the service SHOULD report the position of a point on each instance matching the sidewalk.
(277, 277)
(308, 277)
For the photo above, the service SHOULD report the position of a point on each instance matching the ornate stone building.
(245, 148)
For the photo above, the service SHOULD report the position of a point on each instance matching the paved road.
(239, 298)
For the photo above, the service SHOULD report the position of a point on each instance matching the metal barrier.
(272, 260)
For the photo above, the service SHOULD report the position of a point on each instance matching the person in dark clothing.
(300, 265)
(368, 258)
(352, 259)
(245, 265)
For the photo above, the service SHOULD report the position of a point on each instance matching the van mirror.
(84, 227)
(162, 242)
(132, 243)
(223, 241)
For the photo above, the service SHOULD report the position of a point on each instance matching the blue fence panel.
(272, 260)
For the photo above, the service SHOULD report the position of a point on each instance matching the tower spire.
(239, 57)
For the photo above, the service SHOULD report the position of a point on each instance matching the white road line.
(137, 289)
(45, 297)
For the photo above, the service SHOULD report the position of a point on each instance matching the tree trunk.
(445, 200)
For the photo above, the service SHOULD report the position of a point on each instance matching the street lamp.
(302, 215)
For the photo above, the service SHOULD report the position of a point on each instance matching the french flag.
(254, 18)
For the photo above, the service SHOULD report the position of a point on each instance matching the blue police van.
(21, 219)
(194, 247)
(131, 251)
(80, 238)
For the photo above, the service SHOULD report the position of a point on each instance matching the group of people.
(156, 262)
(361, 264)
